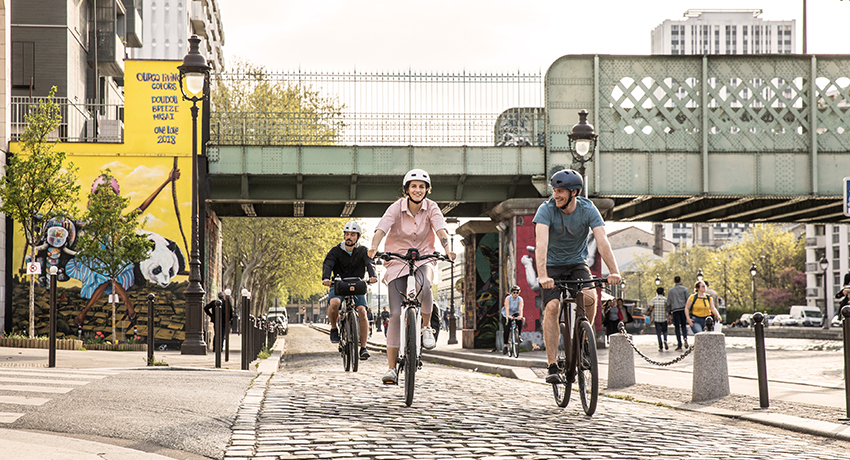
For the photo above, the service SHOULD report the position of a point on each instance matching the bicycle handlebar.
(409, 258)
(574, 285)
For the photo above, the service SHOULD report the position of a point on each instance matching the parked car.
(282, 324)
(769, 319)
(784, 320)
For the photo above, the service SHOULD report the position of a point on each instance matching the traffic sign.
(34, 268)
(846, 189)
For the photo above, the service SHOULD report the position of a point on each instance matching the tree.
(110, 242)
(254, 107)
(277, 257)
(38, 185)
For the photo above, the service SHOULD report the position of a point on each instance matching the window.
(746, 41)
(23, 64)
(820, 230)
(716, 39)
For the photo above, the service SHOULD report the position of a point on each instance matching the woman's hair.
(696, 286)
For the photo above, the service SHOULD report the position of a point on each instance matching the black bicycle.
(579, 360)
(349, 324)
(513, 338)
(410, 352)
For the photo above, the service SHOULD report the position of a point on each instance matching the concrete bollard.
(621, 362)
(711, 373)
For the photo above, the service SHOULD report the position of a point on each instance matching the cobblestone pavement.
(312, 409)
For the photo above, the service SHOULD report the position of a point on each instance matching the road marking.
(35, 389)
(10, 417)
(22, 400)
(63, 374)
(43, 381)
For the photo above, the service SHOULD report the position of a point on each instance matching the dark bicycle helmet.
(567, 179)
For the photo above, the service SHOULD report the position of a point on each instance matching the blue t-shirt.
(568, 233)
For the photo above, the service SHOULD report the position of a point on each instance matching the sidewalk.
(671, 386)
(36, 445)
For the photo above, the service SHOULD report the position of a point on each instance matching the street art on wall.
(152, 167)
(487, 299)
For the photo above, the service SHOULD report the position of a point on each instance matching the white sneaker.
(428, 341)
(391, 377)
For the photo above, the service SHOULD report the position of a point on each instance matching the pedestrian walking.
(385, 320)
(677, 297)
(659, 313)
(614, 312)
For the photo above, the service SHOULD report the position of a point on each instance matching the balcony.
(812, 292)
(77, 123)
(815, 241)
(198, 18)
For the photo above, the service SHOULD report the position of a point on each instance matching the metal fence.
(80, 122)
(405, 108)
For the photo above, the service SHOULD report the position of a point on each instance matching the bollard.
(217, 330)
(151, 335)
(245, 343)
(621, 362)
(761, 361)
(51, 354)
(711, 373)
(227, 326)
(845, 313)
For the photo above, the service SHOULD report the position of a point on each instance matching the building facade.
(724, 32)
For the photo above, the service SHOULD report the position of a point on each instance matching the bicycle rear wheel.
(562, 390)
(343, 345)
(354, 340)
(513, 347)
(410, 356)
(588, 370)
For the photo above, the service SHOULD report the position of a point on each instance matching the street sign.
(33, 268)
(846, 189)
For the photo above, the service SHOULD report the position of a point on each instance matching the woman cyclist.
(410, 222)
(513, 309)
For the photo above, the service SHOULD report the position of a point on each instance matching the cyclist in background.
(348, 259)
(562, 224)
(513, 309)
(410, 222)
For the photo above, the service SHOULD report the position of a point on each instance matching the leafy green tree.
(254, 106)
(110, 241)
(277, 257)
(38, 185)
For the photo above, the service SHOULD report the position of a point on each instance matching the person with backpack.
(699, 307)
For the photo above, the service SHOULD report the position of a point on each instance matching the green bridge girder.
(758, 138)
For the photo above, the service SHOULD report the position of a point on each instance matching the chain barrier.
(628, 337)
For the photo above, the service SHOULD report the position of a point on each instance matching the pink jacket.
(405, 231)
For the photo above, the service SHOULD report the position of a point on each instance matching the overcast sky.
(477, 35)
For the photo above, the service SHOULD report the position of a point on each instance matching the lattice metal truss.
(356, 108)
(752, 104)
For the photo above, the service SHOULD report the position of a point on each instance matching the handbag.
(350, 286)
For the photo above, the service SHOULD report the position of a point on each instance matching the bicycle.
(584, 351)
(410, 352)
(513, 339)
(349, 322)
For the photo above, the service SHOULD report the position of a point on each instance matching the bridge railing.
(355, 108)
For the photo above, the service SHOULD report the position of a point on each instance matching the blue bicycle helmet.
(567, 179)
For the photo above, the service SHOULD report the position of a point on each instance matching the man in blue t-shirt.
(562, 224)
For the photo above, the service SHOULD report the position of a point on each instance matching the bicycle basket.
(350, 286)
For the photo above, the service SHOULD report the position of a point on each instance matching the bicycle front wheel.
(354, 340)
(410, 356)
(513, 348)
(562, 390)
(343, 345)
(588, 370)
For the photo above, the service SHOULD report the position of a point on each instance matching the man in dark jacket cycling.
(347, 260)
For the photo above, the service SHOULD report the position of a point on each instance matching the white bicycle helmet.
(352, 226)
(416, 174)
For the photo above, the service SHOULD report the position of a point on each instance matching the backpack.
(693, 299)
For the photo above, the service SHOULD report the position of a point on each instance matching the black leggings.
(507, 329)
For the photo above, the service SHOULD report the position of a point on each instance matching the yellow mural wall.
(153, 167)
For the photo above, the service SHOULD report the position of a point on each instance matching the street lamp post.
(824, 266)
(657, 280)
(196, 72)
(583, 144)
(451, 223)
(623, 288)
(699, 275)
(228, 307)
(51, 356)
(753, 272)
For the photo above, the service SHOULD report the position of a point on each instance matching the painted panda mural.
(165, 262)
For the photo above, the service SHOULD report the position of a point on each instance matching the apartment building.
(706, 31)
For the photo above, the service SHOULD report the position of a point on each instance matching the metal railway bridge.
(756, 138)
